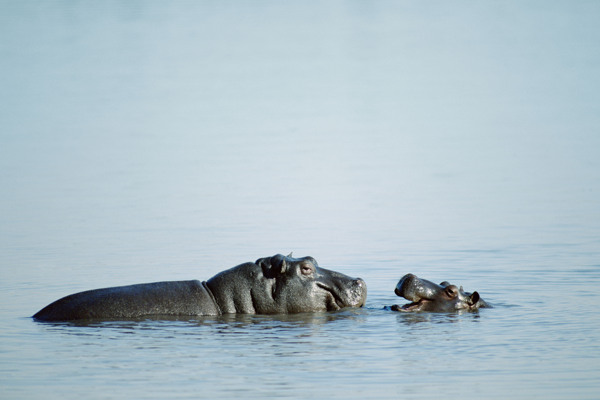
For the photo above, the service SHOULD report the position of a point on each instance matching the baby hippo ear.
(473, 299)
(272, 266)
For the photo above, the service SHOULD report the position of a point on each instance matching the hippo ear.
(474, 298)
(272, 266)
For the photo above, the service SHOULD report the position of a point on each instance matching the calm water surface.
(145, 141)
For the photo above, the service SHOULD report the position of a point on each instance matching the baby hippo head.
(428, 296)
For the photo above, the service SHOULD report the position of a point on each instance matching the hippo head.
(300, 285)
(427, 296)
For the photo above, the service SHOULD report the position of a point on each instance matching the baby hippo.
(427, 296)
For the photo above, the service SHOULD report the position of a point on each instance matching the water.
(146, 141)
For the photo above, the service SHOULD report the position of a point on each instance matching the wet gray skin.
(428, 296)
(271, 285)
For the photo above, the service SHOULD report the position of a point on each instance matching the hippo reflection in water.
(271, 285)
(427, 296)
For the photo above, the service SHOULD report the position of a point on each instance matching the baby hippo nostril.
(407, 278)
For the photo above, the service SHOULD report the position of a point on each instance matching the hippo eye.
(306, 269)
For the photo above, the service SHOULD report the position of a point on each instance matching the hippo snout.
(360, 282)
(406, 287)
(360, 289)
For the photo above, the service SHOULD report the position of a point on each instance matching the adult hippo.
(271, 285)
(427, 296)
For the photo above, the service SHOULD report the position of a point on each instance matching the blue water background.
(144, 140)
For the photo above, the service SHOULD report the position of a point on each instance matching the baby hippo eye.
(306, 269)
(451, 291)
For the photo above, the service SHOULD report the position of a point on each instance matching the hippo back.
(133, 301)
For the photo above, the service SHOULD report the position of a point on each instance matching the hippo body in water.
(271, 285)
(428, 296)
